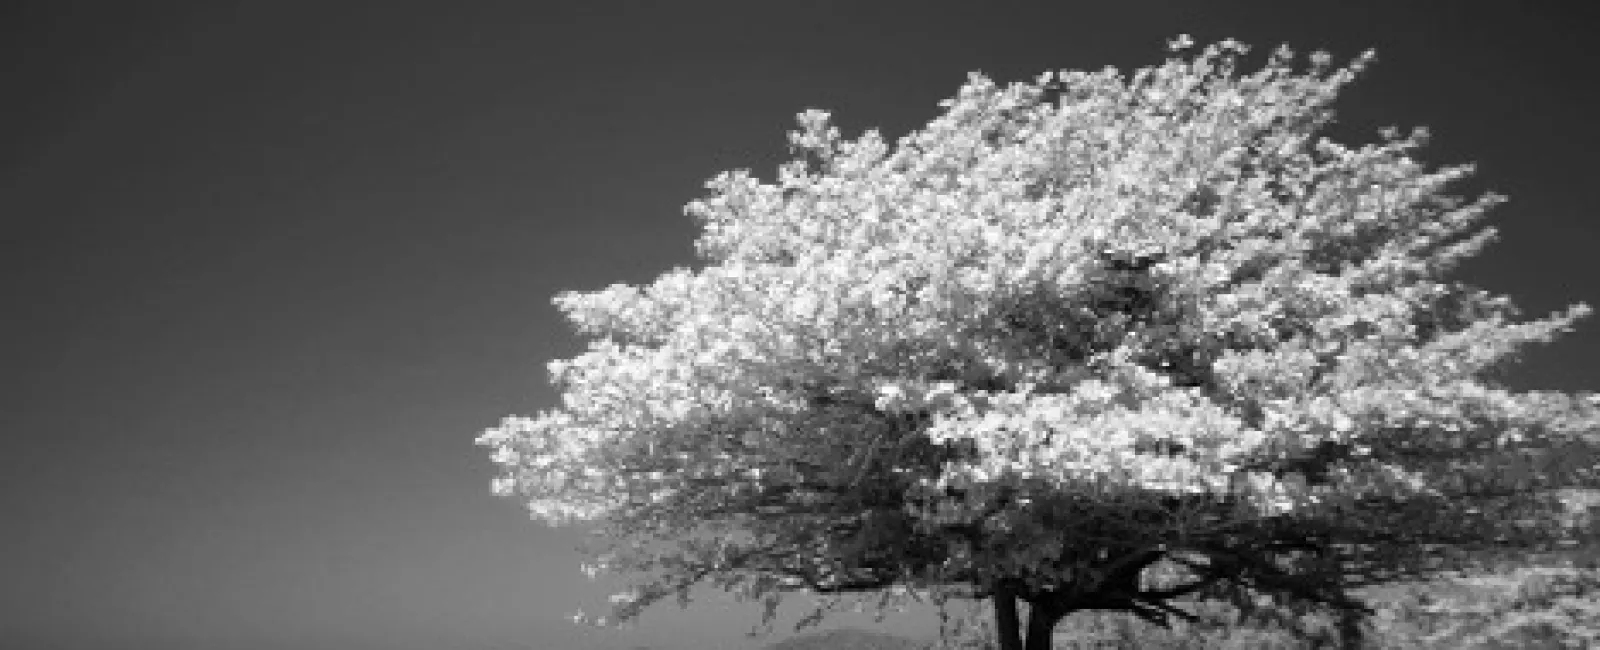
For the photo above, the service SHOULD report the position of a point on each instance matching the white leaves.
(1151, 285)
(815, 134)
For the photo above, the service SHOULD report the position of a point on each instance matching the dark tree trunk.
(1005, 618)
(1042, 620)
(1043, 615)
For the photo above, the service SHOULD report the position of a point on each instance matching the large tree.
(1099, 341)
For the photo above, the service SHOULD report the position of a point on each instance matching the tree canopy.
(1095, 341)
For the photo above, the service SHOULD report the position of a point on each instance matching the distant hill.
(848, 639)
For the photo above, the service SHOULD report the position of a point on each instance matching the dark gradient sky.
(268, 269)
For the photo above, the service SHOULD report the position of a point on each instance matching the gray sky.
(270, 267)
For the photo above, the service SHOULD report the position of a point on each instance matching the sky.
(269, 268)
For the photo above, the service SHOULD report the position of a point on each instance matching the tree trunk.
(1006, 622)
(1042, 620)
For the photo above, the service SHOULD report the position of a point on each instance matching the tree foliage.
(1097, 341)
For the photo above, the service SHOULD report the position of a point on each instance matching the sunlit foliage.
(1095, 341)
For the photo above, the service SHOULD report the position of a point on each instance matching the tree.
(1096, 342)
